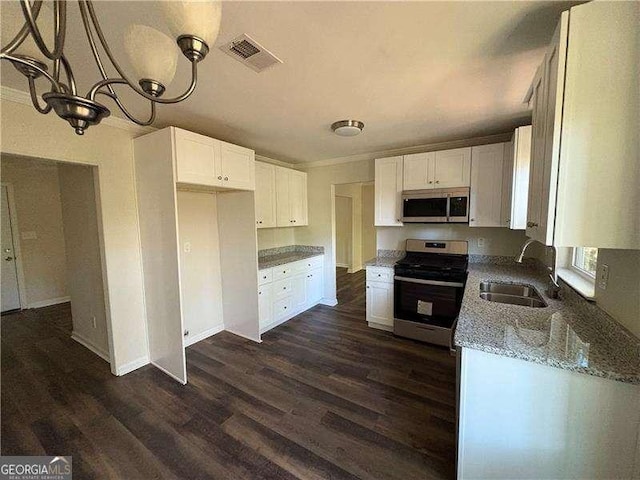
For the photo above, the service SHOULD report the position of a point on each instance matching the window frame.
(590, 276)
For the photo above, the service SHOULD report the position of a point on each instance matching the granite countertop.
(569, 333)
(279, 256)
(385, 258)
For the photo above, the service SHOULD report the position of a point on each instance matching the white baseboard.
(379, 326)
(342, 265)
(168, 373)
(330, 302)
(131, 366)
(90, 345)
(48, 302)
(243, 335)
(201, 336)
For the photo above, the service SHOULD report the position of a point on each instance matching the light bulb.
(153, 54)
(13, 20)
(200, 18)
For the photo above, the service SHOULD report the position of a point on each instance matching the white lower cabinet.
(380, 298)
(287, 290)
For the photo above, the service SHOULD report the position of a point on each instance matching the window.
(585, 260)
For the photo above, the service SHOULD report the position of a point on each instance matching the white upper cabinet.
(451, 168)
(537, 156)
(205, 161)
(265, 196)
(196, 158)
(515, 180)
(485, 203)
(236, 167)
(291, 198)
(418, 171)
(443, 169)
(388, 191)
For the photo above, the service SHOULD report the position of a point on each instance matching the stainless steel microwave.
(444, 205)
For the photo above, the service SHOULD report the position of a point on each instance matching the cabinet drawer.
(313, 263)
(264, 276)
(380, 274)
(282, 271)
(281, 309)
(283, 288)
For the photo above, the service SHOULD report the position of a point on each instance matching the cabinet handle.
(284, 288)
(264, 278)
(285, 308)
(226, 179)
(472, 220)
(430, 181)
(531, 224)
(437, 181)
(259, 293)
(219, 177)
(368, 286)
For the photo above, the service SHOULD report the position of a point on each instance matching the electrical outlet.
(481, 242)
(603, 278)
(93, 322)
(187, 247)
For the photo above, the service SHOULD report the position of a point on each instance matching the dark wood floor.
(323, 396)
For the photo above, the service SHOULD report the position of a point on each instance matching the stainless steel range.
(428, 287)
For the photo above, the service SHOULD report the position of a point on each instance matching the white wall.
(37, 197)
(28, 133)
(344, 231)
(276, 237)
(621, 299)
(84, 263)
(497, 241)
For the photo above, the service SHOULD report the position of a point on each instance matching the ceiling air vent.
(249, 52)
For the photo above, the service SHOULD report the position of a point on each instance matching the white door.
(236, 167)
(380, 303)
(196, 158)
(314, 287)
(298, 197)
(264, 305)
(451, 168)
(299, 297)
(417, 171)
(388, 192)
(520, 178)
(10, 292)
(283, 206)
(485, 201)
(265, 196)
(507, 181)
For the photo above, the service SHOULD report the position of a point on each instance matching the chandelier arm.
(69, 74)
(135, 88)
(115, 98)
(60, 22)
(57, 86)
(34, 98)
(23, 33)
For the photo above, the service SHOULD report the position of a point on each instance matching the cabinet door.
(388, 191)
(265, 302)
(486, 185)
(537, 156)
(196, 157)
(553, 80)
(418, 171)
(380, 303)
(283, 205)
(299, 296)
(298, 197)
(265, 196)
(314, 287)
(236, 166)
(507, 182)
(520, 178)
(451, 168)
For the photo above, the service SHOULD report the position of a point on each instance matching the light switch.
(481, 242)
(31, 235)
(603, 278)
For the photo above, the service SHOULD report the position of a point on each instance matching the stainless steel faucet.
(554, 288)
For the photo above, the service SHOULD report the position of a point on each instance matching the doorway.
(355, 237)
(51, 242)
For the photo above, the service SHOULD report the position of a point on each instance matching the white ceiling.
(414, 72)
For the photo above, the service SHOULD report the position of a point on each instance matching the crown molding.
(428, 147)
(18, 96)
(273, 161)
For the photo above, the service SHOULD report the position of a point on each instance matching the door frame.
(349, 266)
(15, 237)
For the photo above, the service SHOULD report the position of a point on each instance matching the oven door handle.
(429, 282)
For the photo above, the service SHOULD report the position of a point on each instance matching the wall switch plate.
(187, 247)
(481, 242)
(603, 278)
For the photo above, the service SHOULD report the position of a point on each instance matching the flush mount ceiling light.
(347, 128)
(194, 25)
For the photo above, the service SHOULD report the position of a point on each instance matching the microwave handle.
(448, 207)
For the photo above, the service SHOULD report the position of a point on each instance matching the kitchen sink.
(512, 294)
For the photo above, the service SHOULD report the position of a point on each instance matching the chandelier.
(153, 56)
